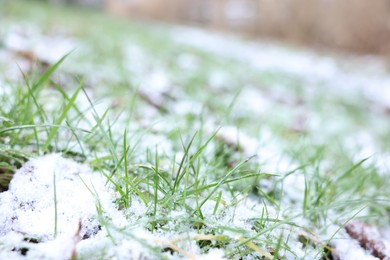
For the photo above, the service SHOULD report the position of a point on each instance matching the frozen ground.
(274, 104)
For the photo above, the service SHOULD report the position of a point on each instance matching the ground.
(135, 140)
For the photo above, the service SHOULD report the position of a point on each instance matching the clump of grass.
(23, 121)
(29, 129)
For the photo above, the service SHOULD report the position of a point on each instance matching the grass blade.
(63, 115)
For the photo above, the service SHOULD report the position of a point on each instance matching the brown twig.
(76, 240)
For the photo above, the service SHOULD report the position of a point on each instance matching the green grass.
(191, 171)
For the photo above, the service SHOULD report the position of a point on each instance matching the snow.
(187, 61)
(24, 40)
(214, 254)
(255, 101)
(27, 209)
(27, 213)
(348, 249)
(233, 136)
(295, 187)
(262, 56)
(372, 80)
(368, 148)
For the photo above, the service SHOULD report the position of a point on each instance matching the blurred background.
(358, 26)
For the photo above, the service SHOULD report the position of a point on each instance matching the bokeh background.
(358, 26)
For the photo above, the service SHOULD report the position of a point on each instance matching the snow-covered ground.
(56, 208)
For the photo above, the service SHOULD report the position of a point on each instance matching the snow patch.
(347, 249)
(29, 208)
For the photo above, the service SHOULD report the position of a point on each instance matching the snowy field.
(141, 141)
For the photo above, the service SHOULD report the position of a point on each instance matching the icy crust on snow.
(27, 209)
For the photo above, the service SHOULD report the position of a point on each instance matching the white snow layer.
(348, 249)
(30, 226)
(28, 208)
